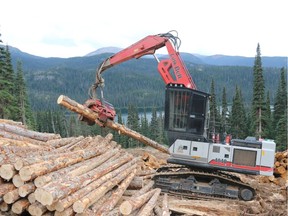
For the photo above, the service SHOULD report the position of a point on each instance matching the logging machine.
(200, 161)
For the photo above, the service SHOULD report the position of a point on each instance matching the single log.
(158, 211)
(31, 172)
(96, 206)
(6, 187)
(132, 204)
(9, 135)
(52, 192)
(20, 206)
(7, 171)
(69, 200)
(17, 181)
(89, 114)
(279, 170)
(56, 143)
(136, 183)
(68, 212)
(11, 196)
(11, 122)
(115, 197)
(4, 207)
(89, 199)
(165, 208)
(129, 192)
(51, 207)
(16, 143)
(78, 144)
(148, 208)
(145, 189)
(28, 133)
(146, 172)
(26, 189)
(31, 198)
(37, 209)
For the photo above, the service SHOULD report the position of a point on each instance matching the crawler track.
(181, 180)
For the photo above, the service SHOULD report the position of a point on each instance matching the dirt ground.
(270, 199)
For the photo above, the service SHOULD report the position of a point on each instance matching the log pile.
(44, 174)
(279, 176)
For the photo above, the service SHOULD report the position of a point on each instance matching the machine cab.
(185, 113)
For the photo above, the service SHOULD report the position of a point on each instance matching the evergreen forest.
(245, 101)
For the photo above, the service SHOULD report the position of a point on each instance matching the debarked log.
(89, 114)
(28, 133)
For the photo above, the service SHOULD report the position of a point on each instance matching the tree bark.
(89, 114)
(31, 172)
(136, 183)
(28, 133)
(69, 200)
(165, 208)
(52, 192)
(148, 208)
(134, 203)
(145, 189)
(89, 199)
(115, 197)
(76, 169)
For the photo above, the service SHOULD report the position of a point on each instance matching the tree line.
(240, 119)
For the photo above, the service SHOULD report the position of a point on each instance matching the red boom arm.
(148, 46)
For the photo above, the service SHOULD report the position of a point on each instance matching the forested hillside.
(135, 81)
(240, 103)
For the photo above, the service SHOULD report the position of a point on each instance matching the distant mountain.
(104, 50)
(222, 60)
(219, 60)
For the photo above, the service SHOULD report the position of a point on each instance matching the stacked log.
(68, 176)
(279, 176)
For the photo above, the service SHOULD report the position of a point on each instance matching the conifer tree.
(267, 119)
(122, 140)
(7, 101)
(23, 112)
(224, 113)
(214, 124)
(154, 127)
(144, 124)
(238, 118)
(281, 136)
(133, 123)
(258, 95)
(280, 104)
(160, 136)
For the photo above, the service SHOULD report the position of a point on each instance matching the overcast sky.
(69, 28)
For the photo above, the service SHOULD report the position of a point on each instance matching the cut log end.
(126, 208)
(78, 207)
(59, 207)
(43, 197)
(7, 171)
(60, 99)
(25, 174)
(17, 181)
